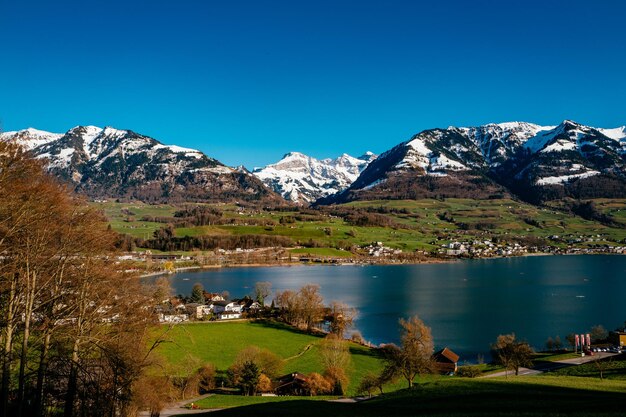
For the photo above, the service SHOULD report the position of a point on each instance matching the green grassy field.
(521, 396)
(126, 218)
(612, 368)
(192, 345)
(422, 224)
(572, 391)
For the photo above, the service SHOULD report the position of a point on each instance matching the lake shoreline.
(335, 262)
(467, 304)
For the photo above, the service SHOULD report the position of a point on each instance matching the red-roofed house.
(446, 361)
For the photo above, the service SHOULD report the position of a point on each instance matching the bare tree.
(602, 365)
(341, 318)
(288, 303)
(558, 345)
(598, 333)
(335, 358)
(511, 353)
(334, 352)
(368, 384)
(60, 284)
(414, 356)
(316, 384)
(571, 340)
(207, 377)
(267, 362)
(311, 305)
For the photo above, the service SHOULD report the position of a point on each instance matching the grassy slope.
(613, 368)
(522, 396)
(219, 343)
(424, 227)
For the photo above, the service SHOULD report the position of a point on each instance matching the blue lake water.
(467, 304)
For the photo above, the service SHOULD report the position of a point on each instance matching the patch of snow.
(564, 178)
(541, 139)
(220, 170)
(560, 145)
(420, 146)
(374, 184)
(179, 149)
(88, 133)
(110, 131)
(441, 162)
(615, 133)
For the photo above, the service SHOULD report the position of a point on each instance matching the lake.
(467, 304)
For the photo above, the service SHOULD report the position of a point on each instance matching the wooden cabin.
(446, 361)
(292, 384)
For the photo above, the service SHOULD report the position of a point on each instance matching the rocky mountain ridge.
(304, 179)
(109, 162)
(535, 162)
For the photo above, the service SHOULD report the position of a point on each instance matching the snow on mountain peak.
(617, 133)
(113, 162)
(30, 138)
(301, 178)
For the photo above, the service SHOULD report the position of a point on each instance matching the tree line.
(165, 240)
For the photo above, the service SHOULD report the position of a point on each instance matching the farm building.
(446, 361)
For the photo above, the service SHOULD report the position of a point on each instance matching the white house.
(226, 315)
(226, 306)
(198, 310)
(173, 318)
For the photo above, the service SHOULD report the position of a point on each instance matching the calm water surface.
(467, 304)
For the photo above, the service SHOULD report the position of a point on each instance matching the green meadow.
(572, 391)
(448, 396)
(188, 346)
(417, 224)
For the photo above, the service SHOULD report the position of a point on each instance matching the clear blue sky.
(247, 81)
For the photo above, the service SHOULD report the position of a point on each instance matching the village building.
(212, 296)
(226, 306)
(618, 338)
(228, 315)
(446, 361)
(292, 384)
(173, 318)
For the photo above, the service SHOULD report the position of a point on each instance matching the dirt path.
(178, 408)
(297, 355)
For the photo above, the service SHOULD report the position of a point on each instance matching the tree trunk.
(72, 383)
(11, 311)
(28, 312)
(41, 374)
(6, 370)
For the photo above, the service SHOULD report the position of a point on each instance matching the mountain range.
(108, 162)
(303, 179)
(536, 163)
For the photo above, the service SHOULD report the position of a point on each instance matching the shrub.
(470, 371)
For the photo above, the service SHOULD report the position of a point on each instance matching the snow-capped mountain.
(108, 162)
(496, 158)
(303, 179)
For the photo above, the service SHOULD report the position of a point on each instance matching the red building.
(446, 361)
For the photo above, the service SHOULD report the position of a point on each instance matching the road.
(178, 408)
(553, 366)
